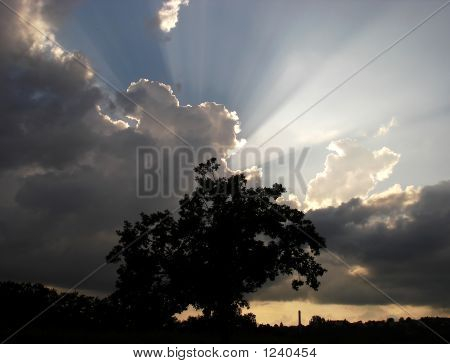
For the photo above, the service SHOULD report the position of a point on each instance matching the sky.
(230, 75)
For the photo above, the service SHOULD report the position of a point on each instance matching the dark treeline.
(84, 319)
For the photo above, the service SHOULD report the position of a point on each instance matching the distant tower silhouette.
(299, 318)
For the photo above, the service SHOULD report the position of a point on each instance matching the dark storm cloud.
(68, 172)
(400, 241)
(46, 101)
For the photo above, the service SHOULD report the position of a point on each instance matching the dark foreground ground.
(82, 319)
(334, 332)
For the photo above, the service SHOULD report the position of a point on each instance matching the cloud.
(252, 174)
(351, 170)
(358, 270)
(48, 98)
(291, 200)
(398, 240)
(168, 14)
(384, 129)
(68, 152)
(205, 125)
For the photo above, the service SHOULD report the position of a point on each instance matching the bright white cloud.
(252, 174)
(291, 200)
(350, 171)
(384, 129)
(405, 197)
(168, 14)
(206, 125)
(120, 124)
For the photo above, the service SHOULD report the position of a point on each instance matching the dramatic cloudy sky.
(229, 74)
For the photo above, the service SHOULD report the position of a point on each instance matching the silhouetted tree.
(146, 295)
(226, 242)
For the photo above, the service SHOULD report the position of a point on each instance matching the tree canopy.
(225, 242)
